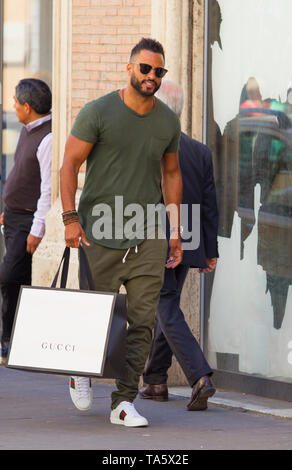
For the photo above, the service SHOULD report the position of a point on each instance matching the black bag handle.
(65, 261)
(85, 278)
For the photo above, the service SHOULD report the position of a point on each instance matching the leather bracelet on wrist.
(67, 213)
(69, 217)
(70, 220)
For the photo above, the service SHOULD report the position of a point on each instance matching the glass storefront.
(248, 300)
(26, 52)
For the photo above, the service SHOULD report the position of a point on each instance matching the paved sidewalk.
(243, 402)
(36, 413)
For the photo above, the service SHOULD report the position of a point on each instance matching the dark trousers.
(15, 269)
(173, 336)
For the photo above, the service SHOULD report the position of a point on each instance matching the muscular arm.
(76, 152)
(172, 195)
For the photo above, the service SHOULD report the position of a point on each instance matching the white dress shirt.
(44, 156)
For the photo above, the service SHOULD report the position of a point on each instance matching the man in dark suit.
(172, 335)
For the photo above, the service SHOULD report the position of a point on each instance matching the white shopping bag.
(72, 332)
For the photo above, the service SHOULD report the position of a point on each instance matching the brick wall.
(104, 32)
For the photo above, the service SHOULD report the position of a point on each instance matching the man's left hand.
(211, 263)
(32, 243)
(175, 254)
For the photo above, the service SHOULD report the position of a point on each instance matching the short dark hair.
(148, 44)
(36, 93)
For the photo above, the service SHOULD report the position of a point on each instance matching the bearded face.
(145, 86)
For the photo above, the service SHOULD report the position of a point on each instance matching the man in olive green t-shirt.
(129, 140)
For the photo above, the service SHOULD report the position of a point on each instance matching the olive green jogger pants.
(141, 271)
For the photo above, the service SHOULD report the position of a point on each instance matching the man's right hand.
(75, 235)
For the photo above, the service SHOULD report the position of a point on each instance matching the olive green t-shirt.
(123, 168)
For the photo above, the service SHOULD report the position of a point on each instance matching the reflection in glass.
(248, 300)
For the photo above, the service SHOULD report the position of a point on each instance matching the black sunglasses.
(146, 68)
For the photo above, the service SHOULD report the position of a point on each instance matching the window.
(27, 52)
(248, 300)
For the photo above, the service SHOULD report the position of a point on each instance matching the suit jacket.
(199, 188)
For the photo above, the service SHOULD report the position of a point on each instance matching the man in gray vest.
(27, 195)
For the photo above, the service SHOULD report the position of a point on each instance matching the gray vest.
(23, 186)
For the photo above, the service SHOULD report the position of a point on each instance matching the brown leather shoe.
(202, 390)
(155, 392)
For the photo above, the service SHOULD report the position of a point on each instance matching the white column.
(49, 252)
(198, 69)
(171, 26)
(158, 20)
(62, 84)
(186, 65)
(173, 44)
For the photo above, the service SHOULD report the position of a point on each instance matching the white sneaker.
(125, 413)
(81, 392)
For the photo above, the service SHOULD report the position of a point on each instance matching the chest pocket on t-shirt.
(157, 148)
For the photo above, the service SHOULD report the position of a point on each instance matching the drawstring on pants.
(128, 251)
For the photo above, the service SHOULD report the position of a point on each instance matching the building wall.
(103, 34)
(96, 38)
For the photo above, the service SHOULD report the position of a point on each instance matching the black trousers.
(16, 266)
(173, 336)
